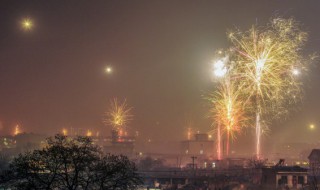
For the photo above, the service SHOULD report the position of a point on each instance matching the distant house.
(314, 167)
(120, 144)
(314, 158)
(287, 177)
(201, 145)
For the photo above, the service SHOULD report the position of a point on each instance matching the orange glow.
(311, 126)
(120, 133)
(189, 134)
(65, 132)
(17, 130)
(108, 69)
(89, 133)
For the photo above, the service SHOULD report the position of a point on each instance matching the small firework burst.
(118, 115)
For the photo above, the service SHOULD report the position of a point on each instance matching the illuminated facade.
(201, 145)
(120, 144)
(285, 177)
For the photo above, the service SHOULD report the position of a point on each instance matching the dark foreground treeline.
(70, 163)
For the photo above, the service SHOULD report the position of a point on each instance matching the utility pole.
(193, 158)
(194, 171)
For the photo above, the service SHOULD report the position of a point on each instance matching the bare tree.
(71, 164)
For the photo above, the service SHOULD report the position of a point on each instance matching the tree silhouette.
(71, 164)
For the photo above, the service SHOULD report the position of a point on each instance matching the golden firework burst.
(119, 114)
(267, 61)
(263, 67)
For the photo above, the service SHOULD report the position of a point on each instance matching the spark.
(118, 115)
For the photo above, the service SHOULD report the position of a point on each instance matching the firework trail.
(228, 112)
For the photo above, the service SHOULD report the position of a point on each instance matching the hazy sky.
(53, 75)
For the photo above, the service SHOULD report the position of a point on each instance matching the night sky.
(160, 51)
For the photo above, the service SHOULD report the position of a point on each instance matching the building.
(120, 144)
(13, 145)
(201, 145)
(314, 167)
(314, 158)
(288, 177)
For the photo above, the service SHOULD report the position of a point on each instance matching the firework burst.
(119, 115)
(267, 60)
(228, 112)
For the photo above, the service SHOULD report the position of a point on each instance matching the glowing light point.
(295, 72)
(27, 24)
(259, 67)
(17, 130)
(219, 68)
(312, 126)
(108, 70)
(260, 63)
(189, 133)
(89, 133)
(64, 132)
